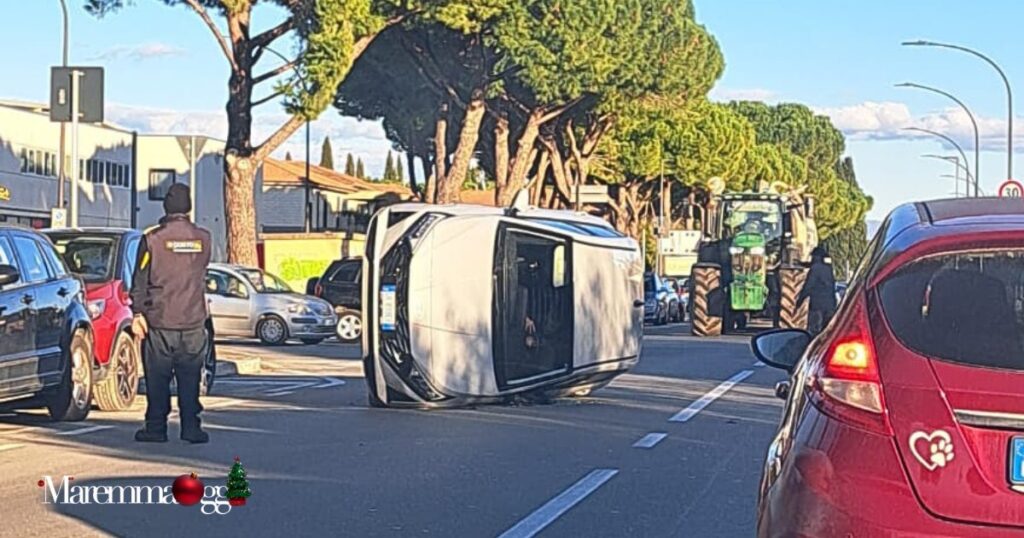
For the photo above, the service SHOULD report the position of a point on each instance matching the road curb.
(234, 366)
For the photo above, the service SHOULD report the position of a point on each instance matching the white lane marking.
(649, 440)
(10, 446)
(88, 429)
(553, 509)
(281, 391)
(261, 381)
(759, 364)
(330, 382)
(704, 401)
(275, 394)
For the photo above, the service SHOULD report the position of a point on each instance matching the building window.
(159, 182)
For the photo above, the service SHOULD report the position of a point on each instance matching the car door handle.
(28, 299)
(638, 303)
(63, 292)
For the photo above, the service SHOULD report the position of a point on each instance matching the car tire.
(272, 331)
(311, 341)
(71, 399)
(350, 326)
(118, 390)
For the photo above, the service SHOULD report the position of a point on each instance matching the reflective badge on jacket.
(184, 247)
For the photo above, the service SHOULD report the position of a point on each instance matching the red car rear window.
(966, 307)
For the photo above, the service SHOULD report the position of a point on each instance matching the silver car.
(245, 301)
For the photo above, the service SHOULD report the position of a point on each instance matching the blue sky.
(166, 74)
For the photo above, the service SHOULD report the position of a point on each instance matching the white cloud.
(740, 94)
(139, 52)
(888, 121)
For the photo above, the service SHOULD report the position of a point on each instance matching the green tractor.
(752, 262)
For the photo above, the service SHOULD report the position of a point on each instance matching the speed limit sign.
(1011, 189)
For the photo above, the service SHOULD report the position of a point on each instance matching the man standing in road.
(169, 303)
(820, 288)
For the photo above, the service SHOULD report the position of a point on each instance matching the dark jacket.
(820, 287)
(169, 287)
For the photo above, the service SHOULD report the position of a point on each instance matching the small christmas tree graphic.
(238, 486)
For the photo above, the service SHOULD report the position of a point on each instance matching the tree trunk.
(500, 159)
(539, 178)
(440, 153)
(239, 167)
(410, 160)
(523, 159)
(469, 133)
(558, 167)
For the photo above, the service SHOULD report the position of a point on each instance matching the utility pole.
(76, 76)
(61, 157)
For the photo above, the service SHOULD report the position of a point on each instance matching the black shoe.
(196, 437)
(149, 436)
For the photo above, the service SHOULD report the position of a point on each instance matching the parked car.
(904, 417)
(342, 286)
(45, 334)
(104, 258)
(246, 301)
(680, 287)
(656, 300)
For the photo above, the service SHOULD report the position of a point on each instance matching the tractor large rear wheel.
(792, 314)
(706, 282)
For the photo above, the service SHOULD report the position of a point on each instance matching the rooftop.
(291, 173)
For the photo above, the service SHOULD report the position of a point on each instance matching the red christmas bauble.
(187, 489)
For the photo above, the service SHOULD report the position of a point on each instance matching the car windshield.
(757, 216)
(264, 282)
(91, 257)
(965, 307)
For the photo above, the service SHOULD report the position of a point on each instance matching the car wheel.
(272, 331)
(350, 326)
(312, 341)
(209, 372)
(71, 399)
(117, 391)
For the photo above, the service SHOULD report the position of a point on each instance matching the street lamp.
(955, 145)
(959, 165)
(1006, 82)
(956, 171)
(977, 141)
(307, 216)
(60, 151)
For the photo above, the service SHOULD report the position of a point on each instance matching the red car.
(905, 417)
(105, 259)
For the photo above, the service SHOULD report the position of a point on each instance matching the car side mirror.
(782, 348)
(8, 275)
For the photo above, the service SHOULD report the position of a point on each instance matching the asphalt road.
(667, 450)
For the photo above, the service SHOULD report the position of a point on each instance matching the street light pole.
(977, 138)
(959, 166)
(955, 145)
(1006, 82)
(60, 151)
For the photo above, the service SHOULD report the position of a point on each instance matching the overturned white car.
(470, 304)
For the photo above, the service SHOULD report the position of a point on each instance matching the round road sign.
(1011, 189)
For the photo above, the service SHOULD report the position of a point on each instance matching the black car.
(342, 286)
(45, 334)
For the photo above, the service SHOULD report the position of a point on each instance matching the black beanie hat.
(178, 199)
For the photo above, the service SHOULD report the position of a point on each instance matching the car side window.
(53, 261)
(131, 255)
(33, 266)
(6, 252)
(346, 272)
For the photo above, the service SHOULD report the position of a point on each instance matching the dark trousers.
(168, 354)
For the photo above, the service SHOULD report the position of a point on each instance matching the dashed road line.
(80, 431)
(704, 401)
(649, 440)
(553, 509)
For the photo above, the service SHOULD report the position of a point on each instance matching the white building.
(123, 175)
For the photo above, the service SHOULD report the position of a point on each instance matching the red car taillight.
(846, 384)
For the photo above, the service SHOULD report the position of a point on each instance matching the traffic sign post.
(1011, 189)
(76, 95)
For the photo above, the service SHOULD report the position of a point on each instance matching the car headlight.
(735, 250)
(757, 251)
(95, 308)
(301, 309)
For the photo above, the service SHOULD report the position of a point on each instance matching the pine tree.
(389, 169)
(327, 155)
(360, 170)
(399, 171)
(238, 486)
(287, 155)
(350, 165)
